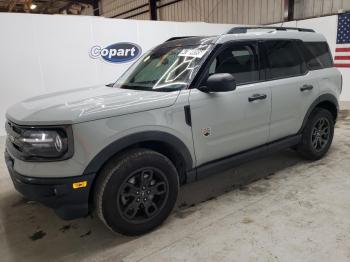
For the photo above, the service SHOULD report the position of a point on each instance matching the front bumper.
(57, 193)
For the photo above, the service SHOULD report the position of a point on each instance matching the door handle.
(257, 97)
(306, 88)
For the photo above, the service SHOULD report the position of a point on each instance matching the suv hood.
(86, 104)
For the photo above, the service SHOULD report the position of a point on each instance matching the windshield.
(164, 69)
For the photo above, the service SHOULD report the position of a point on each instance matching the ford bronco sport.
(191, 107)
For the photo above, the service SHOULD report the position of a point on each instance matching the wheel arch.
(162, 142)
(326, 101)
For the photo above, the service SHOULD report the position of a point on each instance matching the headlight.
(40, 143)
(44, 143)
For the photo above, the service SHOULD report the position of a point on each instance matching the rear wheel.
(136, 191)
(318, 134)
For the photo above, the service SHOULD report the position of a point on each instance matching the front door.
(227, 123)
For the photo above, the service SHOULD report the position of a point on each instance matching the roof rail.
(178, 37)
(244, 29)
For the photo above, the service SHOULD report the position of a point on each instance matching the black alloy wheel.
(142, 194)
(320, 134)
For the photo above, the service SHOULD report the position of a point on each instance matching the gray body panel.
(86, 104)
(290, 104)
(235, 124)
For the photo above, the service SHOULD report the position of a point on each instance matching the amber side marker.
(80, 184)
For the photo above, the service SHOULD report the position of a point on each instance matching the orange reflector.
(80, 184)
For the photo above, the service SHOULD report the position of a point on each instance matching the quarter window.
(317, 55)
(284, 59)
(240, 60)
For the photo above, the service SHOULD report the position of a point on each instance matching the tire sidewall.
(117, 176)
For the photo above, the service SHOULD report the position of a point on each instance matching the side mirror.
(110, 85)
(220, 82)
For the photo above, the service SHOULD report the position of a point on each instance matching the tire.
(316, 140)
(136, 191)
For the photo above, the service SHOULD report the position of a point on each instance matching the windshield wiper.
(133, 87)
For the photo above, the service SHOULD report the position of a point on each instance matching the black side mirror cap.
(220, 82)
(110, 85)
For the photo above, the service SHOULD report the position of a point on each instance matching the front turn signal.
(80, 184)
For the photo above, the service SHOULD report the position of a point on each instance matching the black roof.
(188, 41)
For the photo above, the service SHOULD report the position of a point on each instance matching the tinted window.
(284, 59)
(240, 60)
(317, 55)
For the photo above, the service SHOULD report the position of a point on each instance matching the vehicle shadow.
(32, 232)
(236, 179)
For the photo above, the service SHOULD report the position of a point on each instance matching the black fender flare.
(155, 136)
(322, 98)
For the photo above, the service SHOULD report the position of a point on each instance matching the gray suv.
(190, 107)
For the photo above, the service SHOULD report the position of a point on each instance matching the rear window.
(284, 59)
(317, 55)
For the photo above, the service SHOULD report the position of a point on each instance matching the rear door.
(293, 87)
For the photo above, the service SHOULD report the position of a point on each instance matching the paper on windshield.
(198, 53)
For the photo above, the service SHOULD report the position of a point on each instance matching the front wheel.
(136, 191)
(318, 134)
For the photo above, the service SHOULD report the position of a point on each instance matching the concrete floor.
(294, 211)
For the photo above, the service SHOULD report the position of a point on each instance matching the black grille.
(13, 135)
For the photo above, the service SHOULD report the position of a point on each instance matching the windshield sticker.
(198, 53)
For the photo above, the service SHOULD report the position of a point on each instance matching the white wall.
(47, 53)
(328, 27)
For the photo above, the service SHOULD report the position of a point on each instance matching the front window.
(240, 60)
(164, 69)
